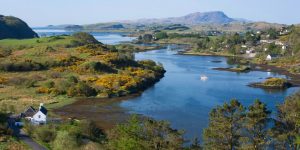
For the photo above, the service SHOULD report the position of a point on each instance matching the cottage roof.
(43, 110)
(273, 55)
(29, 112)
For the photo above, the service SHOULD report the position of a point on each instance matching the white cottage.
(36, 117)
(271, 57)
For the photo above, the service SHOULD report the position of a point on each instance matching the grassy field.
(56, 41)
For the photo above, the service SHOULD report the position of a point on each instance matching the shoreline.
(205, 54)
(292, 78)
(105, 112)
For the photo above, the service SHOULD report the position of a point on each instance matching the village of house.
(264, 45)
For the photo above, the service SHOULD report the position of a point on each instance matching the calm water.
(185, 100)
(104, 37)
(181, 97)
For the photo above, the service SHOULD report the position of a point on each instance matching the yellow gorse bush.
(3, 80)
(113, 82)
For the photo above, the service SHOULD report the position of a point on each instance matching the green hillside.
(14, 28)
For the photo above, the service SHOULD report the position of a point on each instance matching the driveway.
(30, 142)
(22, 135)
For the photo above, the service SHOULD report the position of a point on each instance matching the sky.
(55, 12)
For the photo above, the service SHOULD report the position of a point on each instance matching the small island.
(272, 83)
(239, 68)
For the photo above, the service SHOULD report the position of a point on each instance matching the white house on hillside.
(271, 57)
(36, 117)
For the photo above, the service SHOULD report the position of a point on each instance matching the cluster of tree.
(146, 134)
(178, 27)
(152, 65)
(136, 134)
(274, 49)
(146, 38)
(68, 135)
(294, 40)
(164, 35)
(272, 33)
(232, 126)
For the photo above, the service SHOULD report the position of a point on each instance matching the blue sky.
(45, 12)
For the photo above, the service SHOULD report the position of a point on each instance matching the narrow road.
(30, 142)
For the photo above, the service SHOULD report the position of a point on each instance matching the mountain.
(15, 28)
(214, 17)
(205, 21)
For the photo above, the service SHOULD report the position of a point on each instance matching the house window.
(39, 116)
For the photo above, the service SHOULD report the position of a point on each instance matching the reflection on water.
(183, 98)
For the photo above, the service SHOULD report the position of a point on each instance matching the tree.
(256, 126)
(81, 89)
(225, 125)
(236, 49)
(274, 49)
(147, 38)
(161, 35)
(251, 38)
(234, 39)
(64, 140)
(90, 130)
(145, 134)
(203, 43)
(46, 133)
(287, 129)
(272, 33)
(195, 145)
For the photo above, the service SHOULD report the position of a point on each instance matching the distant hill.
(105, 26)
(214, 17)
(237, 26)
(15, 28)
(199, 21)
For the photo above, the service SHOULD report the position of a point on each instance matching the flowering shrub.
(112, 83)
(3, 80)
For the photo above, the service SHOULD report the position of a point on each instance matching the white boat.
(169, 48)
(203, 77)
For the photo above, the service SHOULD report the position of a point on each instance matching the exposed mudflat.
(104, 111)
